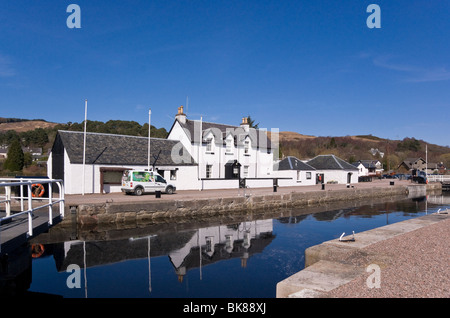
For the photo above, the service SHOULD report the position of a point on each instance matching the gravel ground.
(414, 265)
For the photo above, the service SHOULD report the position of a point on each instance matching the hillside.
(22, 126)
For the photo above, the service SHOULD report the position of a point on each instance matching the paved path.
(417, 266)
(196, 194)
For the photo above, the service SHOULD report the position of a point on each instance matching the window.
(160, 179)
(209, 244)
(229, 148)
(112, 177)
(308, 175)
(208, 171)
(209, 145)
(245, 171)
(141, 176)
(173, 174)
(246, 147)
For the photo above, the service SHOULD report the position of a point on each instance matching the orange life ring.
(37, 250)
(34, 190)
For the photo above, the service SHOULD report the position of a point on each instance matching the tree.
(251, 122)
(15, 160)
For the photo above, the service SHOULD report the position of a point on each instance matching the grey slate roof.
(292, 163)
(118, 149)
(258, 136)
(366, 163)
(330, 162)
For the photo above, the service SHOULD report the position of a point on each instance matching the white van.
(144, 181)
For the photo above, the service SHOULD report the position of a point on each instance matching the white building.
(296, 171)
(225, 153)
(369, 167)
(107, 156)
(331, 169)
(196, 155)
(225, 156)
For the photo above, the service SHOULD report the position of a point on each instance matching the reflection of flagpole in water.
(149, 268)
(148, 257)
(200, 252)
(85, 265)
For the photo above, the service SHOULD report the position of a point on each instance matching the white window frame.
(247, 147)
(208, 171)
(209, 145)
(245, 171)
(229, 146)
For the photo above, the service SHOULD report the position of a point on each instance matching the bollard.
(157, 194)
(275, 188)
(323, 186)
(391, 183)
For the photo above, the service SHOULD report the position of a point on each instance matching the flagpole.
(84, 146)
(148, 154)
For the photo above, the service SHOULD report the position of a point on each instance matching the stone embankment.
(92, 210)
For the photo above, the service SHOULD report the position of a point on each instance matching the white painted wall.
(296, 179)
(339, 175)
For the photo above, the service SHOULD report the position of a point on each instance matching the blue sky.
(313, 67)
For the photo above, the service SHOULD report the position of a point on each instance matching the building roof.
(366, 163)
(330, 162)
(292, 163)
(121, 149)
(221, 131)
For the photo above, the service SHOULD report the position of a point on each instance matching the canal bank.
(117, 208)
(401, 260)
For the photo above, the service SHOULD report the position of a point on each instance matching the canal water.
(241, 258)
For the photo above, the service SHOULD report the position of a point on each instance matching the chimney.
(180, 115)
(245, 124)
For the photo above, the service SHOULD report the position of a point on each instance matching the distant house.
(35, 152)
(107, 156)
(410, 164)
(331, 169)
(299, 172)
(436, 168)
(4, 152)
(414, 164)
(369, 167)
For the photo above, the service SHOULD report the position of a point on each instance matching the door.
(160, 183)
(320, 178)
(349, 177)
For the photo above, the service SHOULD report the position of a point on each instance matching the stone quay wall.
(146, 212)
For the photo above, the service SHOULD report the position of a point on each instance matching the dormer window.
(209, 145)
(229, 145)
(247, 147)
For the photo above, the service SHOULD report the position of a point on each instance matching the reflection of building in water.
(186, 250)
(213, 244)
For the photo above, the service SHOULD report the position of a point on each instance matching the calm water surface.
(244, 258)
